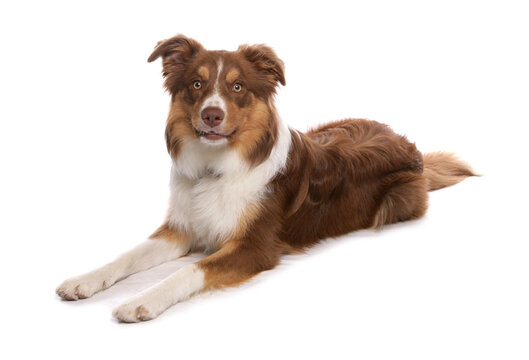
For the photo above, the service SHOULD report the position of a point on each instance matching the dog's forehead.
(229, 64)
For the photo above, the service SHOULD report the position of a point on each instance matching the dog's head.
(221, 98)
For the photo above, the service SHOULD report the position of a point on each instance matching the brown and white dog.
(245, 188)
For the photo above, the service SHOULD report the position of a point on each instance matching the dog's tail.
(444, 169)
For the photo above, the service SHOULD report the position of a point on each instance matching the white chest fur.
(209, 208)
(211, 188)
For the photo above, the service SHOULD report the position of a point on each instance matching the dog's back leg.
(406, 198)
(164, 245)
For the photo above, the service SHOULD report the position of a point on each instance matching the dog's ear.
(177, 49)
(176, 52)
(266, 62)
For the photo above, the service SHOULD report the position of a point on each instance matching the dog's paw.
(81, 287)
(135, 312)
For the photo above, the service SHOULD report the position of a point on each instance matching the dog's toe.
(135, 311)
(81, 287)
(131, 313)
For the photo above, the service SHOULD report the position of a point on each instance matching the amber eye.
(197, 85)
(237, 87)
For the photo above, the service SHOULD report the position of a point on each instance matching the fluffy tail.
(444, 169)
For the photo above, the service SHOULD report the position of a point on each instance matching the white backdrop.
(84, 174)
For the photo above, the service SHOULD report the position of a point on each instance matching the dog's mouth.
(212, 135)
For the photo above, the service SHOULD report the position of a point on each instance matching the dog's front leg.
(164, 245)
(234, 263)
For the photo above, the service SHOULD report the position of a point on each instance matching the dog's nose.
(212, 116)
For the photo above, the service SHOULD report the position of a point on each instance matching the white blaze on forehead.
(215, 99)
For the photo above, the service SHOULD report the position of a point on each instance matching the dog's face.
(221, 98)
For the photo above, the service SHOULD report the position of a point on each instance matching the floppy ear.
(266, 62)
(176, 52)
(176, 49)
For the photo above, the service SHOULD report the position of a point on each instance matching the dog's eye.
(237, 87)
(197, 85)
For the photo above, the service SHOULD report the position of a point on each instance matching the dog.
(245, 188)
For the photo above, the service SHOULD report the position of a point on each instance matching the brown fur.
(203, 71)
(444, 169)
(232, 76)
(165, 232)
(340, 177)
(355, 175)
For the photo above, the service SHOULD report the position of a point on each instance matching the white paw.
(136, 311)
(153, 301)
(82, 287)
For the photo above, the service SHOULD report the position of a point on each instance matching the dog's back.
(358, 174)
